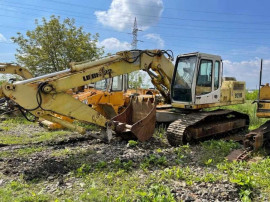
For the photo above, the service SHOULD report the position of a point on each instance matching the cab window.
(216, 78)
(204, 78)
(101, 85)
(117, 83)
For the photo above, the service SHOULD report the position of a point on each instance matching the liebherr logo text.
(98, 74)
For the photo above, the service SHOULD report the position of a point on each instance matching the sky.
(237, 30)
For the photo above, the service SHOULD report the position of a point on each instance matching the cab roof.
(201, 55)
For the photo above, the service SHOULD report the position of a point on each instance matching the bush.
(252, 95)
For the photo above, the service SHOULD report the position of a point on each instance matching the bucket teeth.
(139, 118)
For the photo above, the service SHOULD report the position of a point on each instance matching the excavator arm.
(46, 95)
(9, 68)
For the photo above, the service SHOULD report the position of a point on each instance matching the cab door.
(207, 89)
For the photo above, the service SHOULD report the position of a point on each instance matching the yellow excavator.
(194, 83)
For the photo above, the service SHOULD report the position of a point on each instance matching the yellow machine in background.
(109, 97)
(263, 110)
(255, 139)
(194, 83)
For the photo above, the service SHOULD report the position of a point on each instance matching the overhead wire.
(151, 16)
(163, 36)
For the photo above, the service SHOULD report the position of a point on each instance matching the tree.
(52, 45)
(135, 80)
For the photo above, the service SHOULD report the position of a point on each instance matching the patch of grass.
(8, 139)
(32, 138)
(252, 95)
(51, 135)
(122, 165)
(87, 126)
(17, 120)
(125, 186)
(160, 133)
(21, 152)
(186, 174)
(182, 153)
(153, 160)
(214, 151)
(249, 177)
(20, 191)
(5, 128)
(101, 165)
(249, 109)
(116, 165)
(132, 143)
(156, 192)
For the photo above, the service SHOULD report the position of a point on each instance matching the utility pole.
(135, 35)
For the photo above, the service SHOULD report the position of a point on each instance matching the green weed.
(87, 126)
(5, 128)
(101, 165)
(118, 164)
(252, 95)
(32, 138)
(159, 132)
(156, 192)
(19, 191)
(83, 170)
(153, 160)
(249, 177)
(132, 143)
(17, 120)
(214, 151)
(62, 152)
(185, 174)
(21, 152)
(50, 135)
(182, 153)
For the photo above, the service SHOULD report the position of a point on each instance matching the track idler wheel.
(174, 134)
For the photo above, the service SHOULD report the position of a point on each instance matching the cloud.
(113, 44)
(2, 38)
(121, 14)
(156, 38)
(248, 71)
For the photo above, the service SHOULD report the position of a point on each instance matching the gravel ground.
(58, 158)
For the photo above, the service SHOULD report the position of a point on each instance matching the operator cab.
(114, 84)
(196, 79)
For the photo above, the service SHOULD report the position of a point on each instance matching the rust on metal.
(139, 118)
(258, 137)
(253, 141)
(204, 124)
(209, 129)
(239, 155)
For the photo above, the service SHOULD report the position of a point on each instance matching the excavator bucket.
(139, 118)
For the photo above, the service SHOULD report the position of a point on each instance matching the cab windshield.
(182, 84)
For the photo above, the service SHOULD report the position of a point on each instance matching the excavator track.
(198, 125)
